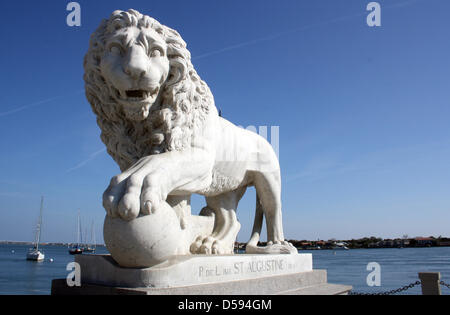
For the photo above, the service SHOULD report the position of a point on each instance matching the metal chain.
(444, 284)
(391, 292)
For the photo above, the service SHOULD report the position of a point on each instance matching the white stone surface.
(160, 124)
(303, 283)
(194, 270)
(143, 242)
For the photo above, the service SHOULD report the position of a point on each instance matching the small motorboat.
(341, 246)
(89, 250)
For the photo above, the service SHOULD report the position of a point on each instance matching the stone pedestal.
(203, 275)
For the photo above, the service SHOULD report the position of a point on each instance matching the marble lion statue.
(160, 124)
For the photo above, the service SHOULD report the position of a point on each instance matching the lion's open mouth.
(137, 97)
(136, 94)
(141, 95)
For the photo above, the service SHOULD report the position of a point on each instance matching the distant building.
(424, 241)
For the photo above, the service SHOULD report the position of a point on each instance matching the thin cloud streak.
(382, 161)
(295, 30)
(83, 163)
(25, 107)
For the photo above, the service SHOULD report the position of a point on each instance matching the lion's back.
(240, 154)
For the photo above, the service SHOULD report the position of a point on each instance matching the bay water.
(399, 267)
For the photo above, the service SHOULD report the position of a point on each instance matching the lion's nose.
(135, 65)
(134, 70)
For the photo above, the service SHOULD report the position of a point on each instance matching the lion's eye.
(116, 50)
(156, 52)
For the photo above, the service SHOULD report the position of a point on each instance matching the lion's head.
(143, 87)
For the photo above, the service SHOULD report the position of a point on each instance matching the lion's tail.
(257, 226)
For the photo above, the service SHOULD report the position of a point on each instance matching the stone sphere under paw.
(145, 241)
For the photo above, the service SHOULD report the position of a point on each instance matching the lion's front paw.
(139, 193)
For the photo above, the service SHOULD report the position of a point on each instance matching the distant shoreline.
(43, 244)
(366, 243)
(363, 243)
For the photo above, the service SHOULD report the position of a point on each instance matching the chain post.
(430, 283)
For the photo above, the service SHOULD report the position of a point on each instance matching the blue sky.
(363, 112)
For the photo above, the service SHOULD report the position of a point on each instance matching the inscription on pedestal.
(246, 268)
(180, 271)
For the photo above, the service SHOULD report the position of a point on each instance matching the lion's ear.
(177, 71)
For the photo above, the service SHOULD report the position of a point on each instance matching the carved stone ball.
(145, 241)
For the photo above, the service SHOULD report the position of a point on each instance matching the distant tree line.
(366, 242)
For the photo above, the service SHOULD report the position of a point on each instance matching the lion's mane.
(185, 100)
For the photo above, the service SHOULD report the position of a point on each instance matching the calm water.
(399, 267)
(19, 276)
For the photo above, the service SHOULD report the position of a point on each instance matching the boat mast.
(38, 232)
(92, 235)
(94, 240)
(78, 229)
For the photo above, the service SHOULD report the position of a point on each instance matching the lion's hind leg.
(226, 226)
(268, 189)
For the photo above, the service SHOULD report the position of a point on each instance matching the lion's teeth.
(137, 95)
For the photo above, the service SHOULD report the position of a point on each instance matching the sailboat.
(77, 250)
(91, 247)
(34, 253)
